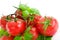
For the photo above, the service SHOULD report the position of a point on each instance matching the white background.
(46, 7)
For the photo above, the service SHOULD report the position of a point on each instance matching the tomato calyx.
(46, 23)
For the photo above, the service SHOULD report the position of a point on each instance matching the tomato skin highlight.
(15, 28)
(34, 32)
(0, 22)
(3, 22)
(51, 29)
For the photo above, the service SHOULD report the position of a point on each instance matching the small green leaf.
(40, 37)
(49, 38)
(18, 38)
(23, 7)
(3, 32)
(25, 14)
(28, 29)
(6, 33)
(28, 9)
(34, 11)
(27, 34)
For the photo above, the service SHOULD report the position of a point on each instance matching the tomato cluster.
(26, 24)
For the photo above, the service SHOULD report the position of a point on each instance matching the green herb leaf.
(28, 29)
(27, 35)
(34, 11)
(48, 38)
(25, 14)
(18, 38)
(23, 7)
(41, 37)
(6, 33)
(3, 32)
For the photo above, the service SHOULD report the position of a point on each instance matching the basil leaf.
(27, 30)
(18, 38)
(23, 7)
(34, 11)
(27, 35)
(48, 38)
(3, 32)
(25, 14)
(6, 33)
(40, 37)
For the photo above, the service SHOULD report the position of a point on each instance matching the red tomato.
(0, 22)
(36, 20)
(6, 38)
(14, 28)
(3, 22)
(34, 32)
(50, 29)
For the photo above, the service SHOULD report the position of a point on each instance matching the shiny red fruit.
(3, 22)
(15, 28)
(36, 20)
(0, 22)
(48, 29)
(34, 32)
